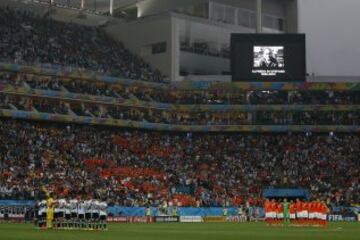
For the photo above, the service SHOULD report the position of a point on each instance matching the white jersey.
(95, 206)
(39, 208)
(61, 205)
(74, 206)
(67, 208)
(103, 208)
(42, 207)
(87, 206)
(81, 207)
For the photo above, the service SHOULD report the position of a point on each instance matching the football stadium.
(179, 119)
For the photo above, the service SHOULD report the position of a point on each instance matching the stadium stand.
(269, 117)
(178, 96)
(26, 38)
(134, 168)
(127, 167)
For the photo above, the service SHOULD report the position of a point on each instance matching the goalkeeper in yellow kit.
(50, 209)
(50, 212)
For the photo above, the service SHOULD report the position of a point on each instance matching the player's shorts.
(82, 216)
(304, 214)
(292, 216)
(67, 216)
(102, 217)
(43, 215)
(95, 215)
(280, 215)
(87, 216)
(323, 217)
(73, 215)
(311, 215)
(272, 214)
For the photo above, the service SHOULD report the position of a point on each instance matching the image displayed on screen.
(269, 57)
(269, 60)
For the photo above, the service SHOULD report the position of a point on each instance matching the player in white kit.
(103, 215)
(81, 214)
(74, 213)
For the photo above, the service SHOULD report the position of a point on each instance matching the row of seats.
(71, 107)
(187, 97)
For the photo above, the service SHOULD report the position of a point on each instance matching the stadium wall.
(138, 36)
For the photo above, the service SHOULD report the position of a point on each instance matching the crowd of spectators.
(29, 39)
(187, 97)
(174, 116)
(133, 168)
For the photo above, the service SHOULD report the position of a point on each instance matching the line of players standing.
(297, 213)
(72, 214)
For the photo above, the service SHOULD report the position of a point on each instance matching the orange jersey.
(279, 208)
(292, 208)
(305, 206)
(299, 206)
(311, 207)
(273, 207)
(318, 207)
(267, 207)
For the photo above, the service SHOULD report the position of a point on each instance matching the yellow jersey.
(50, 203)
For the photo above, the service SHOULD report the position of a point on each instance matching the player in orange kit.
(311, 210)
(292, 211)
(273, 207)
(299, 211)
(318, 215)
(267, 208)
(279, 213)
(305, 214)
(323, 213)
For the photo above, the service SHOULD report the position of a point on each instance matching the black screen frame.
(242, 56)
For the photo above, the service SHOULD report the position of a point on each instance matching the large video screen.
(268, 57)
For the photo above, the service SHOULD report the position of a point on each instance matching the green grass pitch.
(186, 231)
